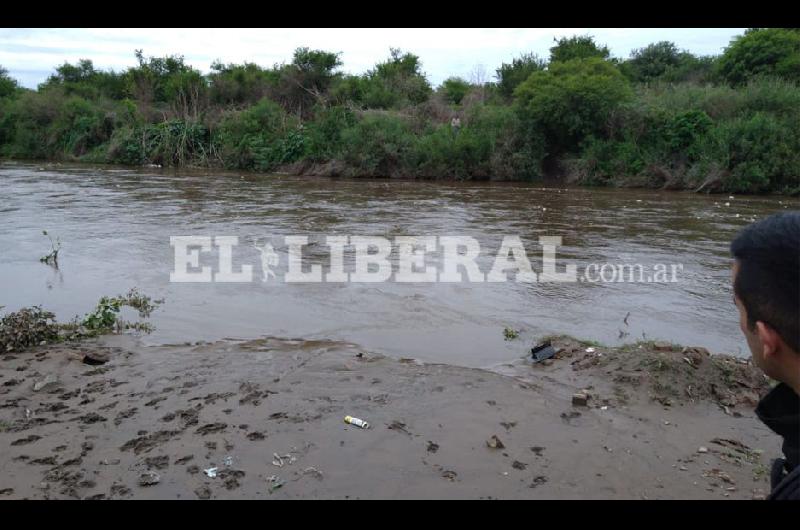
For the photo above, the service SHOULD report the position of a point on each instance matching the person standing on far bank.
(455, 124)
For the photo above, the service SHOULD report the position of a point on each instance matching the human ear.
(770, 340)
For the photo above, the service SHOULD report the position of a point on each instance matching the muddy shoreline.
(660, 423)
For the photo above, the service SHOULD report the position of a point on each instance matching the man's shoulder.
(788, 487)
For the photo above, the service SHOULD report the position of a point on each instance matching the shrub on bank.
(26, 328)
(378, 144)
(260, 137)
(491, 144)
(682, 135)
(760, 152)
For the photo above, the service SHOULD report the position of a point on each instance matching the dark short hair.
(768, 281)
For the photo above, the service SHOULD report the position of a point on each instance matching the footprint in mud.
(122, 415)
(203, 493)
(188, 417)
(86, 447)
(109, 406)
(155, 401)
(254, 398)
(94, 387)
(145, 443)
(447, 474)
(399, 426)
(52, 407)
(211, 428)
(46, 461)
(157, 462)
(538, 481)
(27, 440)
(120, 490)
(69, 395)
(230, 477)
(90, 418)
(210, 399)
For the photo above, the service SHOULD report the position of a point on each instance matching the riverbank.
(268, 413)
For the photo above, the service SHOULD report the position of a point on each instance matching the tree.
(572, 100)
(396, 82)
(305, 81)
(240, 83)
(454, 89)
(8, 85)
(653, 61)
(84, 80)
(68, 73)
(509, 76)
(149, 81)
(762, 52)
(577, 47)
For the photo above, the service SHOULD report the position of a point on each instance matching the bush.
(755, 152)
(577, 47)
(397, 82)
(663, 61)
(234, 84)
(572, 101)
(8, 85)
(454, 89)
(761, 153)
(258, 138)
(724, 102)
(324, 133)
(510, 76)
(377, 144)
(106, 316)
(491, 144)
(762, 52)
(26, 328)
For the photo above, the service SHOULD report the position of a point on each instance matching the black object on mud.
(542, 351)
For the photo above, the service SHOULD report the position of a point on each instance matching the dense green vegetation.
(659, 118)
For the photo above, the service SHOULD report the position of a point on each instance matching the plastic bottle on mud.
(357, 422)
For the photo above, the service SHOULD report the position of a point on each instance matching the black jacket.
(780, 411)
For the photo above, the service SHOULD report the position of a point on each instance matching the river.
(115, 226)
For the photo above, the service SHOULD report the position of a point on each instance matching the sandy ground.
(269, 415)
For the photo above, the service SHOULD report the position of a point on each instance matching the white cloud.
(31, 54)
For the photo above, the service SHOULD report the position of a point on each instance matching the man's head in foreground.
(766, 286)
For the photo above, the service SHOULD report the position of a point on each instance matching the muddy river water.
(115, 226)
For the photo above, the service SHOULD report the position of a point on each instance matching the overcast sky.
(30, 55)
